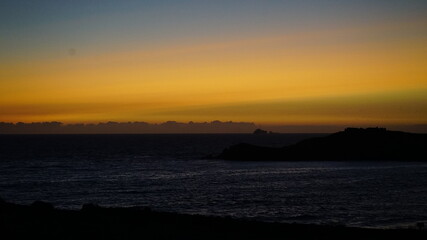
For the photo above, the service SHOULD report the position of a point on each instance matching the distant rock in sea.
(259, 131)
(352, 144)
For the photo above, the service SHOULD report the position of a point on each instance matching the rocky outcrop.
(352, 144)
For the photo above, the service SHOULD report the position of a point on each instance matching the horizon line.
(190, 127)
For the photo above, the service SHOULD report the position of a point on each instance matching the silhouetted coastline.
(352, 144)
(126, 127)
(42, 221)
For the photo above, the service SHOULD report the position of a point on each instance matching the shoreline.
(41, 219)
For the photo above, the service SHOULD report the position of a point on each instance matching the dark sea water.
(170, 173)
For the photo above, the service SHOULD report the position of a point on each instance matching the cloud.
(388, 107)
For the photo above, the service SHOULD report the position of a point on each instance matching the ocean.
(170, 172)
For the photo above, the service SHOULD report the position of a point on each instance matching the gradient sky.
(270, 62)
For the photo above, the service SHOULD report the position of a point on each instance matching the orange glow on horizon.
(231, 80)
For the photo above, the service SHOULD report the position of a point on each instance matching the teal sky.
(46, 28)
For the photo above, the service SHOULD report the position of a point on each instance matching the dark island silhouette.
(352, 144)
(260, 131)
(41, 220)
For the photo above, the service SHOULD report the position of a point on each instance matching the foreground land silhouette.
(353, 144)
(42, 221)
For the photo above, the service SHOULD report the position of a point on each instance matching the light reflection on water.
(373, 194)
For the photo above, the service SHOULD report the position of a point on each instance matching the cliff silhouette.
(352, 144)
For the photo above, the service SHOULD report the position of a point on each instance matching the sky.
(271, 62)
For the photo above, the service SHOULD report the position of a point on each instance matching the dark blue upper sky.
(48, 23)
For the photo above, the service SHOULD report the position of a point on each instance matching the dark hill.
(353, 144)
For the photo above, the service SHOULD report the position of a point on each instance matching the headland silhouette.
(352, 144)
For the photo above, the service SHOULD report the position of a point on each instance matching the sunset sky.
(270, 62)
